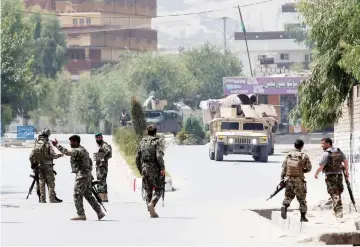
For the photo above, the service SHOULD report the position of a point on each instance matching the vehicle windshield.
(151, 114)
(230, 126)
(253, 126)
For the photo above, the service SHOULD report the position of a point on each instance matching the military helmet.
(45, 132)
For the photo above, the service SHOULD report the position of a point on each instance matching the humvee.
(166, 121)
(239, 136)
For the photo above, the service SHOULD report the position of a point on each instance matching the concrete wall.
(348, 125)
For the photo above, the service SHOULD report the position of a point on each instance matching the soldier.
(101, 157)
(294, 166)
(150, 163)
(41, 158)
(124, 118)
(81, 165)
(331, 165)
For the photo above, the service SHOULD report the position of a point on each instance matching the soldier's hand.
(54, 143)
(316, 176)
(347, 176)
(162, 172)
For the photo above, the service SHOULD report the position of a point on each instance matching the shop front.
(278, 91)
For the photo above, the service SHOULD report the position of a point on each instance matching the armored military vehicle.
(238, 125)
(166, 121)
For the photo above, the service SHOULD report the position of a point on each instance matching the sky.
(190, 30)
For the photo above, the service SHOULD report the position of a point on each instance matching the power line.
(144, 16)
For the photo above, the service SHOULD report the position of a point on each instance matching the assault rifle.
(349, 190)
(36, 180)
(278, 188)
(96, 193)
(163, 189)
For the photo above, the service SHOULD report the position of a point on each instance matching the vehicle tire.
(219, 152)
(211, 155)
(174, 133)
(256, 158)
(272, 150)
(264, 154)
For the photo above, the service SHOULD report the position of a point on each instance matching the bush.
(126, 138)
(192, 132)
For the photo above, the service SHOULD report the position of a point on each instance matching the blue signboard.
(25, 132)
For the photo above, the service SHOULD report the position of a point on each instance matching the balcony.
(75, 66)
(266, 61)
(139, 39)
(127, 7)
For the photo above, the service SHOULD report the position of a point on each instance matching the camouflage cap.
(98, 134)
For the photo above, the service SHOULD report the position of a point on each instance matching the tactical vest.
(294, 166)
(80, 163)
(148, 149)
(334, 162)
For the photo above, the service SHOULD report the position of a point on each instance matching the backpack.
(293, 162)
(334, 161)
(40, 151)
(148, 149)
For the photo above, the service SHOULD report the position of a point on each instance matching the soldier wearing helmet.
(150, 163)
(41, 158)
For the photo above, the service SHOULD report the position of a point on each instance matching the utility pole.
(225, 43)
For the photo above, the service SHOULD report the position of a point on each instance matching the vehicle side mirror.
(206, 127)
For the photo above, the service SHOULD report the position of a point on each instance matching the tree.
(209, 65)
(300, 33)
(334, 29)
(167, 77)
(139, 122)
(87, 107)
(49, 43)
(17, 60)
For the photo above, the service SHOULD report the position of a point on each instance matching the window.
(307, 58)
(151, 114)
(263, 99)
(253, 126)
(88, 21)
(230, 126)
(287, 102)
(261, 57)
(284, 56)
(81, 21)
(75, 21)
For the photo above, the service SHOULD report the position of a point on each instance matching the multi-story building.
(273, 52)
(98, 31)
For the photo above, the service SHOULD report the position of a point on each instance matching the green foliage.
(49, 43)
(139, 122)
(6, 117)
(335, 31)
(126, 138)
(192, 132)
(16, 58)
(300, 34)
(209, 65)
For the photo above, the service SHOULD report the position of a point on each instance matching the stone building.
(347, 138)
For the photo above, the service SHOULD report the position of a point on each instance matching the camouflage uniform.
(149, 162)
(81, 165)
(332, 159)
(101, 164)
(46, 172)
(294, 166)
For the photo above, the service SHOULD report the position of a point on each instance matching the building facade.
(273, 52)
(98, 31)
(347, 138)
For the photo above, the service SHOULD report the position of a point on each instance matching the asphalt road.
(209, 207)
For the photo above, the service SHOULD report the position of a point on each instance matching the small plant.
(138, 117)
(192, 132)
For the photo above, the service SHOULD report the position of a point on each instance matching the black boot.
(284, 211)
(57, 199)
(303, 218)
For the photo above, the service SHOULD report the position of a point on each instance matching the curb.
(323, 228)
